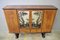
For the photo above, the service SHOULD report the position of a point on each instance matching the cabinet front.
(30, 20)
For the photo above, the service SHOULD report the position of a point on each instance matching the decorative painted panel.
(24, 18)
(36, 19)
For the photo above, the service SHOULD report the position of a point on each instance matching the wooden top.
(28, 7)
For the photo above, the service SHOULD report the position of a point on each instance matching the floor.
(32, 36)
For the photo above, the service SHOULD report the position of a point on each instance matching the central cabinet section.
(30, 20)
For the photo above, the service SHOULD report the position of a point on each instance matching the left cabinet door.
(12, 20)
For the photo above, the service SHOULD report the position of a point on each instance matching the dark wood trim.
(29, 9)
(17, 35)
(43, 35)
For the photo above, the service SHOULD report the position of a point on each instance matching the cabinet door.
(12, 20)
(48, 20)
(36, 23)
(24, 20)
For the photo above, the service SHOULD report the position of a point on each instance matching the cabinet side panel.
(48, 20)
(12, 21)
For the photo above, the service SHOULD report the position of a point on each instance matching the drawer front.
(12, 21)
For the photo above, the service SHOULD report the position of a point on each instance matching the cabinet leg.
(43, 35)
(17, 35)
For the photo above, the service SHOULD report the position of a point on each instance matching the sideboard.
(30, 18)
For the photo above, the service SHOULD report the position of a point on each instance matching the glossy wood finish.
(12, 21)
(48, 20)
(11, 13)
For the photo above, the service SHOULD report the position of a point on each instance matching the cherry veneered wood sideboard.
(30, 18)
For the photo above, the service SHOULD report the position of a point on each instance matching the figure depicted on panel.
(24, 18)
(37, 19)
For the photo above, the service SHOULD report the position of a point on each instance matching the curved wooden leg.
(17, 35)
(43, 35)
